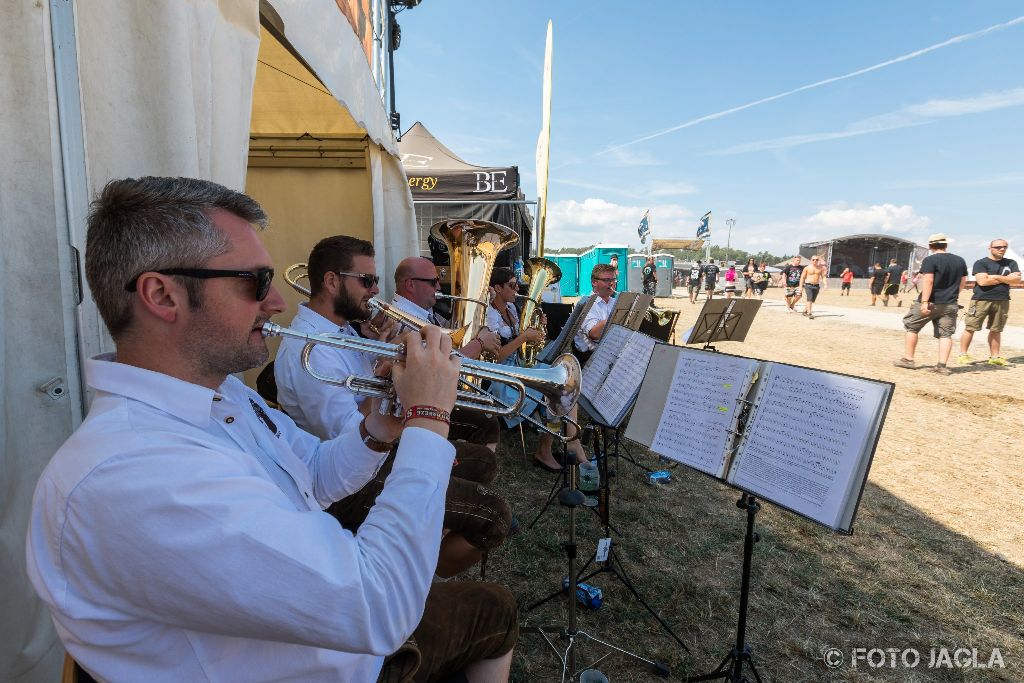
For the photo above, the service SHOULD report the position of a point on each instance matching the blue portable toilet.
(602, 253)
(665, 264)
(634, 273)
(569, 264)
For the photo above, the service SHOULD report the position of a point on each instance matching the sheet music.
(701, 409)
(602, 360)
(806, 439)
(624, 380)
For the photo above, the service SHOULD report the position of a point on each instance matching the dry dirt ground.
(936, 558)
(952, 446)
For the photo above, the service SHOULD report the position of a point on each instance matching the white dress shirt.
(600, 311)
(321, 409)
(167, 551)
(498, 325)
(412, 308)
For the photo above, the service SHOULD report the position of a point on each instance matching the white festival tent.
(106, 89)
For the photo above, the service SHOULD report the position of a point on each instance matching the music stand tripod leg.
(731, 668)
(571, 498)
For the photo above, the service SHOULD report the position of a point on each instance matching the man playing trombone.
(179, 533)
(342, 277)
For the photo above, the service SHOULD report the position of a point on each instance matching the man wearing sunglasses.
(179, 534)
(476, 517)
(990, 302)
(416, 287)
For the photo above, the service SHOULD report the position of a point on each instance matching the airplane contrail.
(859, 72)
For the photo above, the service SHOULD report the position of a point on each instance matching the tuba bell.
(473, 245)
(542, 273)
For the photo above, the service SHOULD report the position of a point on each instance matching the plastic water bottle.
(590, 482)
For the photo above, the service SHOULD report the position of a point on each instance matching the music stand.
(723, 320)
(610, 440)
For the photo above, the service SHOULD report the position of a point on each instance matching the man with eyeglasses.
(416, 288)
(603, 279)
(990, 303)
(476, 517)
(179, 534)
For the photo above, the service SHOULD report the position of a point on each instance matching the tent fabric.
(462, 190)
(164, 90)
(338, 62)
(34, 323)
(436, 172)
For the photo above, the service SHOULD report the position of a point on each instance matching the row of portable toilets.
(576, 270)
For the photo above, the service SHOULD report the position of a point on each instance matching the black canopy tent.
(445, 186)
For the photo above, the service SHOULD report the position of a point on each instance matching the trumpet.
(559, 385)
(293, 280)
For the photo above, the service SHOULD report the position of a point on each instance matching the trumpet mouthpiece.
(271, 329)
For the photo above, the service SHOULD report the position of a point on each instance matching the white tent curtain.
(341, 65)
(166, 89)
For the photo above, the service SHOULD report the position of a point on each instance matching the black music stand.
(723, 320)
(571, 499)
(610, 442)
(731, 667)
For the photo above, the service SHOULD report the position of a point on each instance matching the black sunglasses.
(262, 276)
(432, 280)
(365, 279)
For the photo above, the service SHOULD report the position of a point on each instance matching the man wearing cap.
(991, 300)
(943, 277)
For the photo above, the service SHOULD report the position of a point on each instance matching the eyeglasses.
(514, 284)
(262, 276)
(365, 279)
(432, 280)
(1001, 248)
(605, 279)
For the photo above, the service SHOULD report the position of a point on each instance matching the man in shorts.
(891, 284)
(693, 282)
(943, 277)
(710, 272)
(812, 279)
(791, 275)
(991, 300)
(847, 278)
(877, 282)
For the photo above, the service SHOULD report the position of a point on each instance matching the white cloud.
(913, 115)
(889, 219)
(593, 221)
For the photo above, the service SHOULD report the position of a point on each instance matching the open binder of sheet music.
(798, 437)
(615, 371)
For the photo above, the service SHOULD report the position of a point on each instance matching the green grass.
(900, 581)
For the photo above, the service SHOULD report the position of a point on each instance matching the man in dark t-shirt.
(693, 286)
(649, 276)
(791, 281)
(710, 278)
(891, 286)
(943, 276)
(991, 301)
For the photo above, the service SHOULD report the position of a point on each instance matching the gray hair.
(138, 225)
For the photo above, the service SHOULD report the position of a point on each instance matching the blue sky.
(800, 120)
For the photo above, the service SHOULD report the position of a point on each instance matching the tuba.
(473, 245)
(542, 273)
